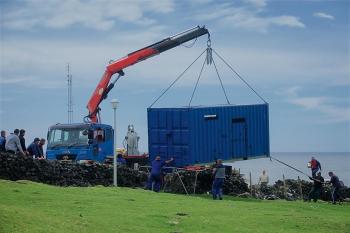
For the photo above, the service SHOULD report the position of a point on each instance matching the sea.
(337, 162)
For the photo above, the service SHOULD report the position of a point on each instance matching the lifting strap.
(240, 77)
(290, 166)
(199, 76)
(222, 86)
(209, 60)
(178, 77)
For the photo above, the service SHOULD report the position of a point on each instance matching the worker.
(316, 189)
(41, 148)
(33, 149)
(22, 140)
(13, 145)
(219, 178)
(2, 140)
(315, 166)
(263, 181)
(264, 178)
(335, 187)
(154, 180)
(120, 160)
(99, 135)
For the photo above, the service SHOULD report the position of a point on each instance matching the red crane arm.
(115, 67)
(104, 86)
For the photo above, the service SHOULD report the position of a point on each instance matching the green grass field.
(31, 207)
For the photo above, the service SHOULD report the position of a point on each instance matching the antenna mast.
(70, 100)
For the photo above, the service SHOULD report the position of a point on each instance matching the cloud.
(41, 62)
(100, 15)
(286, 20)
(248, 18)
(323, 15)
(291, 91)
(328, 106)
(308, 102)
(39, 82)
(4, 80)
(257, 3)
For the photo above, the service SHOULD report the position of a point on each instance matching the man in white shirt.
(13, 144)
(264, 178)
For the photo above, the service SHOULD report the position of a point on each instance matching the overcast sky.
(294, 53)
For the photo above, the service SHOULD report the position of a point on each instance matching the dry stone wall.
(15, 167)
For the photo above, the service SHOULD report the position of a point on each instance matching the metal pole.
(250, 184)
(115, 170)
(183, 185)
(195, 182)
(284, 187)
(300, 188)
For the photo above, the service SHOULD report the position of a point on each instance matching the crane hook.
(209, 51)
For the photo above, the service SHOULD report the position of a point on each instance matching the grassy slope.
(33, 207)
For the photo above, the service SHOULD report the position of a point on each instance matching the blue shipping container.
(194, 135)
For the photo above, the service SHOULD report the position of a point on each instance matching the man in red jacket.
(315, 166)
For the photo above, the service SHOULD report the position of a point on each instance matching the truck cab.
(80, 142)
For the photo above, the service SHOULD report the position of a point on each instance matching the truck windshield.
(67, 137)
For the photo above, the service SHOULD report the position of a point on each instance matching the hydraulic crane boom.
(104, 86)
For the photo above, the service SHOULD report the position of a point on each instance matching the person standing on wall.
(315, 166)
(13, 145)
(154, 181)
(219, 178)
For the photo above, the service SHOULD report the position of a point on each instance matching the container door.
(168, 134)
(239, 138)
(177, 129)
(213, 138)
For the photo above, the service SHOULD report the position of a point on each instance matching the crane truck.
(92, 140)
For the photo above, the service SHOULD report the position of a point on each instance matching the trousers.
(154, 182)
(217, 188)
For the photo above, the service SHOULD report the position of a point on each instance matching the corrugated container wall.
(197, 135)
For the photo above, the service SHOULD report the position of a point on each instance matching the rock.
(234, 184)
(244, 195)
(290, 198)
(270, 197)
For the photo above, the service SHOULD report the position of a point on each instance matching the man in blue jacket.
(120, 160)
(219, 178)
(336, 185)
(33, 148)
(154, 180)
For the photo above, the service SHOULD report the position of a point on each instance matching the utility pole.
(70, 97)
(115, 103)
